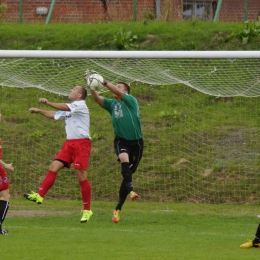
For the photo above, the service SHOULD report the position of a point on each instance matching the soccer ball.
(95, 81)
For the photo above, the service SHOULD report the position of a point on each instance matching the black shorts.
(134, 149)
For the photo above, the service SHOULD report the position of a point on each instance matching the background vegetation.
(40, 139)
(147, 35)
(182, 231)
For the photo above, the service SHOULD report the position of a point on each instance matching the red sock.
(85, 189)
(47, 183)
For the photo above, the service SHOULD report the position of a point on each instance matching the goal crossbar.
(129, 54)
(216, 73)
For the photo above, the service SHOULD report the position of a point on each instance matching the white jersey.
(76, 120)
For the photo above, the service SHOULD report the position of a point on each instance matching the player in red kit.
(4, 190)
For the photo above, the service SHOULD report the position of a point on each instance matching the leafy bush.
(124, 40)
(250, 29)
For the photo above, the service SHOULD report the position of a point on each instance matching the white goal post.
(129, 54)
(199, 112)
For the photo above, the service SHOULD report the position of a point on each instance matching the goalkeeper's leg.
(126, 185)
(125, 189)
(127, 176)
(123, 192)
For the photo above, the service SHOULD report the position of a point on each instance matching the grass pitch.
(146, 231)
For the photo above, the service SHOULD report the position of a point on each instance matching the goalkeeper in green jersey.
(128, 141)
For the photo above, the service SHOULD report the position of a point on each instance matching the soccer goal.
(200, 117)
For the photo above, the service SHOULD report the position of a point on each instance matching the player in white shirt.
(76, 149)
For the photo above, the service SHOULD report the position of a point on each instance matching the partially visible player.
(76, 149)
(4, 190)
(128, 141)
(255, 242)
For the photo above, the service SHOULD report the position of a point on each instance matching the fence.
(76, 11)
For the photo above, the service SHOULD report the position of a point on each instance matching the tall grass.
(210, 134)
(193, 35)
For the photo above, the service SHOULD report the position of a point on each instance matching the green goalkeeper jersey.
(125, 117)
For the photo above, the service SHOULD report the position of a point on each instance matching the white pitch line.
(132, 231)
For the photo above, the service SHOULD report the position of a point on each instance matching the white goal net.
(199, 112)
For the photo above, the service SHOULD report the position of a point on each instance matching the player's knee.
(5, 195)
(56, 166)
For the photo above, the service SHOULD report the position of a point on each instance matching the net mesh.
(198, 148)
(217, 77)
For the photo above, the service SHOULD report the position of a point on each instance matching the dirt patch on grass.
(150, 39)
(36, 213)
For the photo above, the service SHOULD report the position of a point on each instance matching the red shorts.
(76, 151)
(4, 183)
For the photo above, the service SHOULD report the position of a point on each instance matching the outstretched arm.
(113, 89)
(58, 106)
(46, 113)
(98, 99)
(8, 166)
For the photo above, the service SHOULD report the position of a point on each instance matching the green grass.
(178, 122)
(210, 134)
(192, 35)
(146, 231)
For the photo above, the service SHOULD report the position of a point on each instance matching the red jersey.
(4, 183)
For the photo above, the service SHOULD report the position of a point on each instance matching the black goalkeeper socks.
(257, 236)
(127, 176)
(123, 192)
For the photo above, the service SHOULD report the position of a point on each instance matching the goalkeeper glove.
(88, 73)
